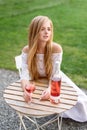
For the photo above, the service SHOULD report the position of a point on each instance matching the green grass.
(70, 30)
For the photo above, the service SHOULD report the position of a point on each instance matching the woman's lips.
(45, 36)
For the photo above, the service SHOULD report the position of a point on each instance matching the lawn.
(70, 30)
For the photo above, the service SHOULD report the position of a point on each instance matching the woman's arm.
(56, 59)
(25, 76)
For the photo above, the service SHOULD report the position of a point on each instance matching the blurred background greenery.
(70, 30)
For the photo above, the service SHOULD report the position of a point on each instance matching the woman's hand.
(45, 94)
(29, 89)
(27, 96)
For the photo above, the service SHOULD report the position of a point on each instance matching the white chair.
(18, 61)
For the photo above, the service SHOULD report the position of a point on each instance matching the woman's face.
(45, 32)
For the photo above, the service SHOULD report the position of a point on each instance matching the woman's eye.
(49, 29)
(42, 29)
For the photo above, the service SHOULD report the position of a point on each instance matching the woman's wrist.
(24, 83)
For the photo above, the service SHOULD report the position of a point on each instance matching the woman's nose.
(46, 31)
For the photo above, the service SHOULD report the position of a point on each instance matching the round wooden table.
(13, 95)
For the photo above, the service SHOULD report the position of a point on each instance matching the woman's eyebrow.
(45, 27)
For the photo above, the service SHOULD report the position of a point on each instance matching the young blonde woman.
(38, 60)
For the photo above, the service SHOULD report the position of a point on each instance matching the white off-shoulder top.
(79, 111)
(40, 65)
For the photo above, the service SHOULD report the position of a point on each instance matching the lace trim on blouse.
(40, 65)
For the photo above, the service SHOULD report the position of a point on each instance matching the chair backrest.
(18, 61)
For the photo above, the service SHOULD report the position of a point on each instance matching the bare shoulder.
(56, 48)
(25, 49)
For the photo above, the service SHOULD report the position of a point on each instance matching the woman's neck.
(41, 48)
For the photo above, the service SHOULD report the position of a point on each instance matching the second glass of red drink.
(55, 91)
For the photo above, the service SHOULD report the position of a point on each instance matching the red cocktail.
(30, 89)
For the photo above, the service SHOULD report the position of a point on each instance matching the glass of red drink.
(30, 89)
(55, 91)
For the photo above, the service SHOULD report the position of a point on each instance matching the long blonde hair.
(34, 30)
